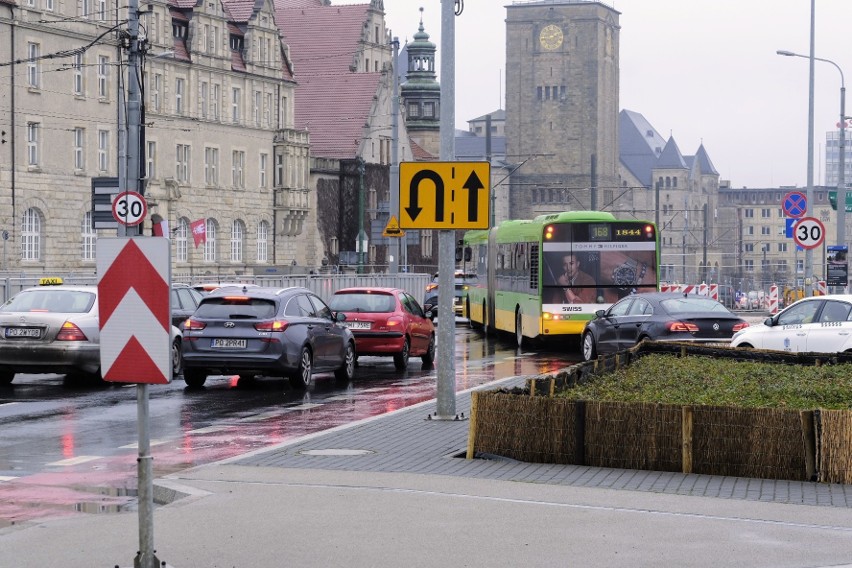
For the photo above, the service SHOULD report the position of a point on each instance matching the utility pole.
(393, 265)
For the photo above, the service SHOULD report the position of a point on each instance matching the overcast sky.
(699, 70)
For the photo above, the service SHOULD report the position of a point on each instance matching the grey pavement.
(395, 490)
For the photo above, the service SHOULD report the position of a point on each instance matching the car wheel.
(177, 358)
(429, 357)
(519, 328)
(400, 360)
(194, 378)
(6, 376)
(345, 373)
(745, 346)
(301, 379)
(590, 350)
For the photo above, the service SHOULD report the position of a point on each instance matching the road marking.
(263, 416)
(7, 477)
(208, 430)
(74, 461)
(136, 444)
(306, 406)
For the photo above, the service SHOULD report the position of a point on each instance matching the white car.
(819, 324)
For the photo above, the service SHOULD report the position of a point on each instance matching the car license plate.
(357, 324)
(23, 332)
(228, 343)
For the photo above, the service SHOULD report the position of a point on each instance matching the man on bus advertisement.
(597, 276)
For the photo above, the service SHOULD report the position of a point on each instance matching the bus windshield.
(597, 263)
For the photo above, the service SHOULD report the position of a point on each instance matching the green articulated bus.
(548, 276)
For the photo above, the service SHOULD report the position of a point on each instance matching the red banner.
(199, 231)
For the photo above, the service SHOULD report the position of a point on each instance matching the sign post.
(446, 196)
(135, 344)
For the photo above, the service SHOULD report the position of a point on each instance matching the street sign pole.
(446, 389)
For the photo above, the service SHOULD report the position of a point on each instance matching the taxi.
(819, 324)
(53, 328)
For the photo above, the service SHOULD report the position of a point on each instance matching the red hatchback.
(386, 322)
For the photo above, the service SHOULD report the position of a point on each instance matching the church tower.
(561, 104)
(421, 93)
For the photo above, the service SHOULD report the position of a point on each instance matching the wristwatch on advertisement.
(629, 273)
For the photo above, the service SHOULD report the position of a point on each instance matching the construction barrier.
(821, 289)
(773, 299)
(714, 291)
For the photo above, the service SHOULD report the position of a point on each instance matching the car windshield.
(693, 305)
(236, 308)
(363, 302)
(54, 301)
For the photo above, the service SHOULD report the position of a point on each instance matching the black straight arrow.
(473, 185)
(414, 209)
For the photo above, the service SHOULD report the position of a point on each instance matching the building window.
(101, 9)
(749, 266)
(210, 242)
(237, 234)
(151, 156)
(179, 92)
(238, 163)
(182, 162)
(413, 110)
(236, 95)
(79, 149)
(261, 170)
(262, 240)
(765, 231)
(214, 102)
(426, 243)
(31, 235)
(749, 247)
(766, 213)
(33, 65)
(181, 236)
(279, 170)
(103, 150)
(782, 247)
(258, 107)
(211, 166)
(156, 90)
(267, 109)
(32, 143)
(103, 76)
(48, 5)
(749, 213)
(205, 88)
(77, 66)
(429, 110)
(88, 237)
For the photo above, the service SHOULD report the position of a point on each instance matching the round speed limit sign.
(809, 232)
(129, 208)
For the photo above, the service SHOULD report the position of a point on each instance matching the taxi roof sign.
(50, 281)
(392, 229)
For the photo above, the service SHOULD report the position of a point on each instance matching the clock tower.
(561, 104)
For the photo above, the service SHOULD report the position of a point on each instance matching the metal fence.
(323, 285)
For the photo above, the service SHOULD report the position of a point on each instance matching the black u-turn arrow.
(414, 209)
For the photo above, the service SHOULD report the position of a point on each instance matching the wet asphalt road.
(68, 449)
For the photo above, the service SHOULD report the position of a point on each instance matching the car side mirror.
(600, 313)
(768, 322)
(428, 314)
(339, 316)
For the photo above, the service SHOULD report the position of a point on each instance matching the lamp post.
(841, 174)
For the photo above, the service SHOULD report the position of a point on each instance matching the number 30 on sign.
(809, 233)
(129, 208)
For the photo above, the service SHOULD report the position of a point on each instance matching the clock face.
(550, 37)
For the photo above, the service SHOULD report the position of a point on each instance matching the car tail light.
(193, 325)
(70, 332)
(430, 287)
(740, 326)
(680, 326)
(394, 321)
(274, 325)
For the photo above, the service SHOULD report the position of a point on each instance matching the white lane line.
(74, 461)
(263, 416)
(208, 430)
(136, 444)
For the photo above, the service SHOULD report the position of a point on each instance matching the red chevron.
(131, 269)
(134, 365)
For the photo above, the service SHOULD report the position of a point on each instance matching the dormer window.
(236, 43)
(180, 30)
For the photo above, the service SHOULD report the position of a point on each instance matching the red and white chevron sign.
(135, 321)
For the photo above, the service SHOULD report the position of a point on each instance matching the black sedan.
(659, 316)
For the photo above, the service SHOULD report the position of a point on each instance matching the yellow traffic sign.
(444, 195)
(392, 229)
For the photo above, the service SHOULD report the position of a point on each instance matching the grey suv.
(287, 332)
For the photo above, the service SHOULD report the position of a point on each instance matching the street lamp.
(841, 175)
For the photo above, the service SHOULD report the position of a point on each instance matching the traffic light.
(459, 250)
